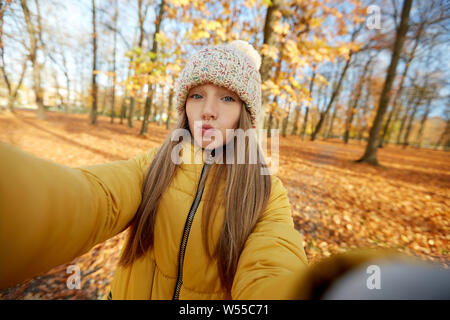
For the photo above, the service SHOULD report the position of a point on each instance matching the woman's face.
(209, 105)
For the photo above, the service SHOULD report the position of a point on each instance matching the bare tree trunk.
(34, 36)
(352, 108)
(142, 13)
(305, 123)
(80, 70)
(321, 101)
(66, 75)
(402, 126)
(330, 127)
(39, 94)
(153, 97)
(102, 99)
(411, 119)
(169, 109)
(370, 154)
(273, 17)
(444, 139)
(126, 97)
(148, 100)
(390, 128)
(333, 97)
(277, 79)
(365, 109)
(60, 98)
(159, 108)
(400, 88)
(297, 111)
(285, 122)
(305, 118)
(141, 16)
(113, 93)
(394, 107)
(131, 112)
(123, 111)
(412, 100)
(12, 92)
(94, 93)
(422, 122)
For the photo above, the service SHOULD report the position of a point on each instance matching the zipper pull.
(209, 159)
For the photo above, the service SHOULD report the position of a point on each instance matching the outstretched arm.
(51, 213)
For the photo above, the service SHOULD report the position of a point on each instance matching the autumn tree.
(126, 41)
(428, 28)
(409, 100)
(423, 120)
(420, 94)
(34, 29)
(305, 117)
(363, 114)
(143, 7)
(273, 18)
(334, 94)
(154, 51)
(114, 68)
(370, 154)
(337, 87)
(356, 99)
(13, 89)
(94, 88)
(444, 138)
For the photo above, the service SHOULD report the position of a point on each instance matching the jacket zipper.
(187, 229)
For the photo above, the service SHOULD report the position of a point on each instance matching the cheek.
(231, 117)
(191, 116)
(188, 112)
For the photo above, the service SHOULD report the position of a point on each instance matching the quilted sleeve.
(51, 213)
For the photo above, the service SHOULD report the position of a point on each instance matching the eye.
(230, 99)
(195, 95)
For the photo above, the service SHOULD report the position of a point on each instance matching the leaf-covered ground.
(337, 204)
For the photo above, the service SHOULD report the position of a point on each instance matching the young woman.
(200, 226)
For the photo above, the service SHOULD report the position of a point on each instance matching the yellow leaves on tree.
(343, 51)
(320, 79)
(293, 54)
(161, 38)
(249, 3)
(270, 51)
(204, 29)
(271, 87)
(180, 3)
(281, 28)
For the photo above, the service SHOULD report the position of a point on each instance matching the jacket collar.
(193, 156)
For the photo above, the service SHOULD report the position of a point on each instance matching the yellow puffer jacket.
(50, 214)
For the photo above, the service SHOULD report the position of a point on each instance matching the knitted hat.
(234, 66)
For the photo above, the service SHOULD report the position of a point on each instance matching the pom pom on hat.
(248, 50)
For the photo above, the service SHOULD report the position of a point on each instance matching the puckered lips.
(207, 130)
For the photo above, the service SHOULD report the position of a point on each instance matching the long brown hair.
(245, 196)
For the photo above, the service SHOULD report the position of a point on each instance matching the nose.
(209, 110)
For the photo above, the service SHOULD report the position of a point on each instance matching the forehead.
(212, 87)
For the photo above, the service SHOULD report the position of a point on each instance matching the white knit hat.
(234, 66)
